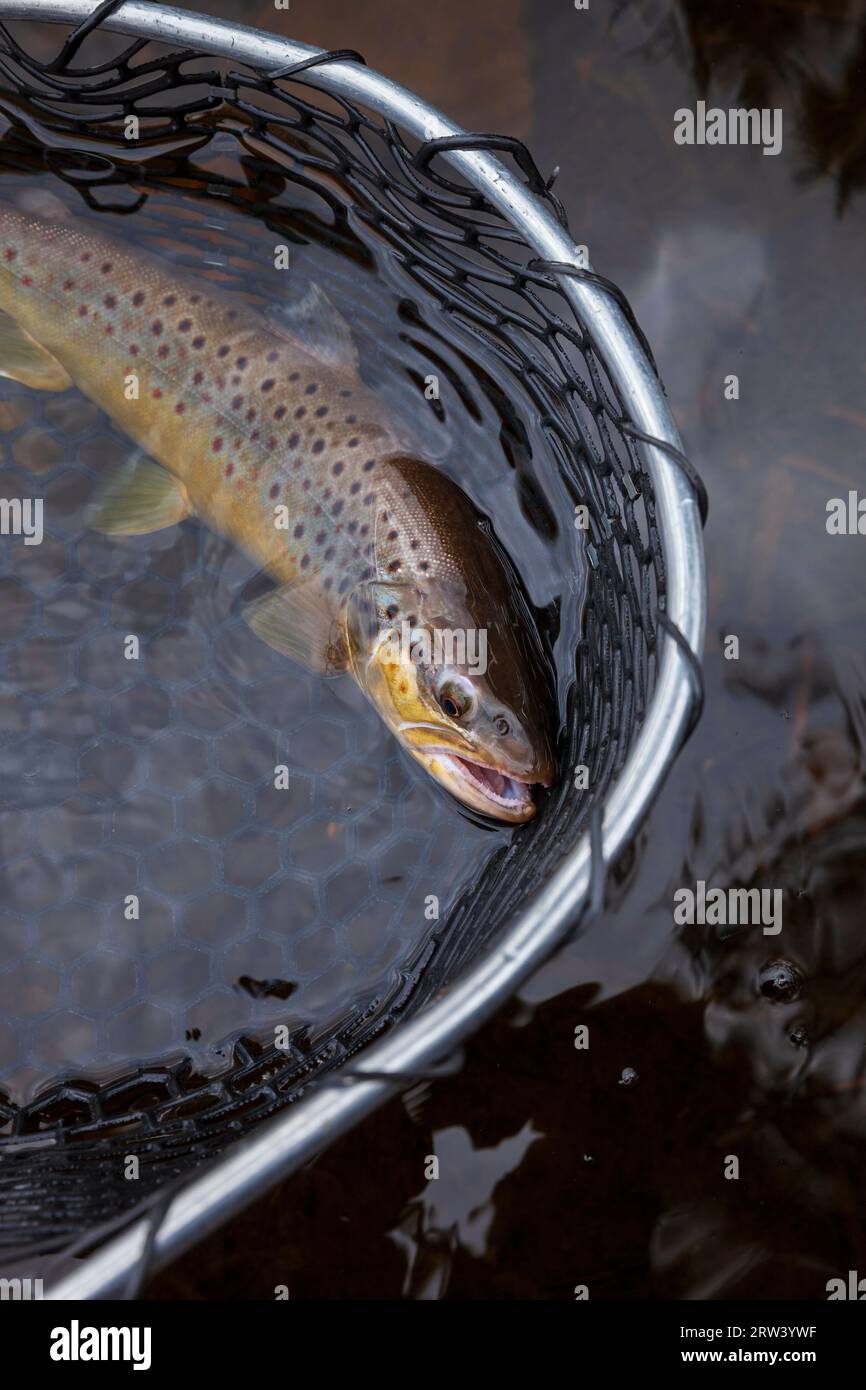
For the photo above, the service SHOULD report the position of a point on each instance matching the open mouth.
(506, 791)
(493, 790)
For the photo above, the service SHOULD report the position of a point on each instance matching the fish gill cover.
(219, 876)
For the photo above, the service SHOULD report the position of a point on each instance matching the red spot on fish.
(305, 560)
(138, 297)
(206, 395)
(320, 536)
(306, 485)
(198, 379)
(298, 464)
(163, 350)
(271, 443)
(217, 443)
(11, 253)
(27, 280)
(230, 468)
(255, 434)
(109, 328)
(157, 393)
(133, 348)
(156, 327)
(180, 408)
(250, 415)
(82, 311)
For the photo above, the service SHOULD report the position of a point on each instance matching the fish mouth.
(494, 793)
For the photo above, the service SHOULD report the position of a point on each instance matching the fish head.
(469, 700)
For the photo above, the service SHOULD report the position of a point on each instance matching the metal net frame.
(61, 1155)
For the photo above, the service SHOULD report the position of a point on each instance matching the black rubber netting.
(61, 1156)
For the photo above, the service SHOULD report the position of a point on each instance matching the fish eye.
(455, 700)
(502, 726)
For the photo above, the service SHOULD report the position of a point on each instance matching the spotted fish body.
(244, 419)
(272, 438)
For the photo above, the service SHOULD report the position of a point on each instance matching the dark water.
(606, 1167)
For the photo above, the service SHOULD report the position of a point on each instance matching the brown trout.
(263, 428)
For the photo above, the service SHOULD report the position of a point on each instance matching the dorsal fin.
(313, 322)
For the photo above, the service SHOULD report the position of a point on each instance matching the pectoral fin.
(22, 359)
(295, 620)
(143, 498)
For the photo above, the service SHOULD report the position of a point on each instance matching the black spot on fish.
(318, 446)
(313, 387)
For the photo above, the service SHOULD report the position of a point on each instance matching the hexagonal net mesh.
(161, 781)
